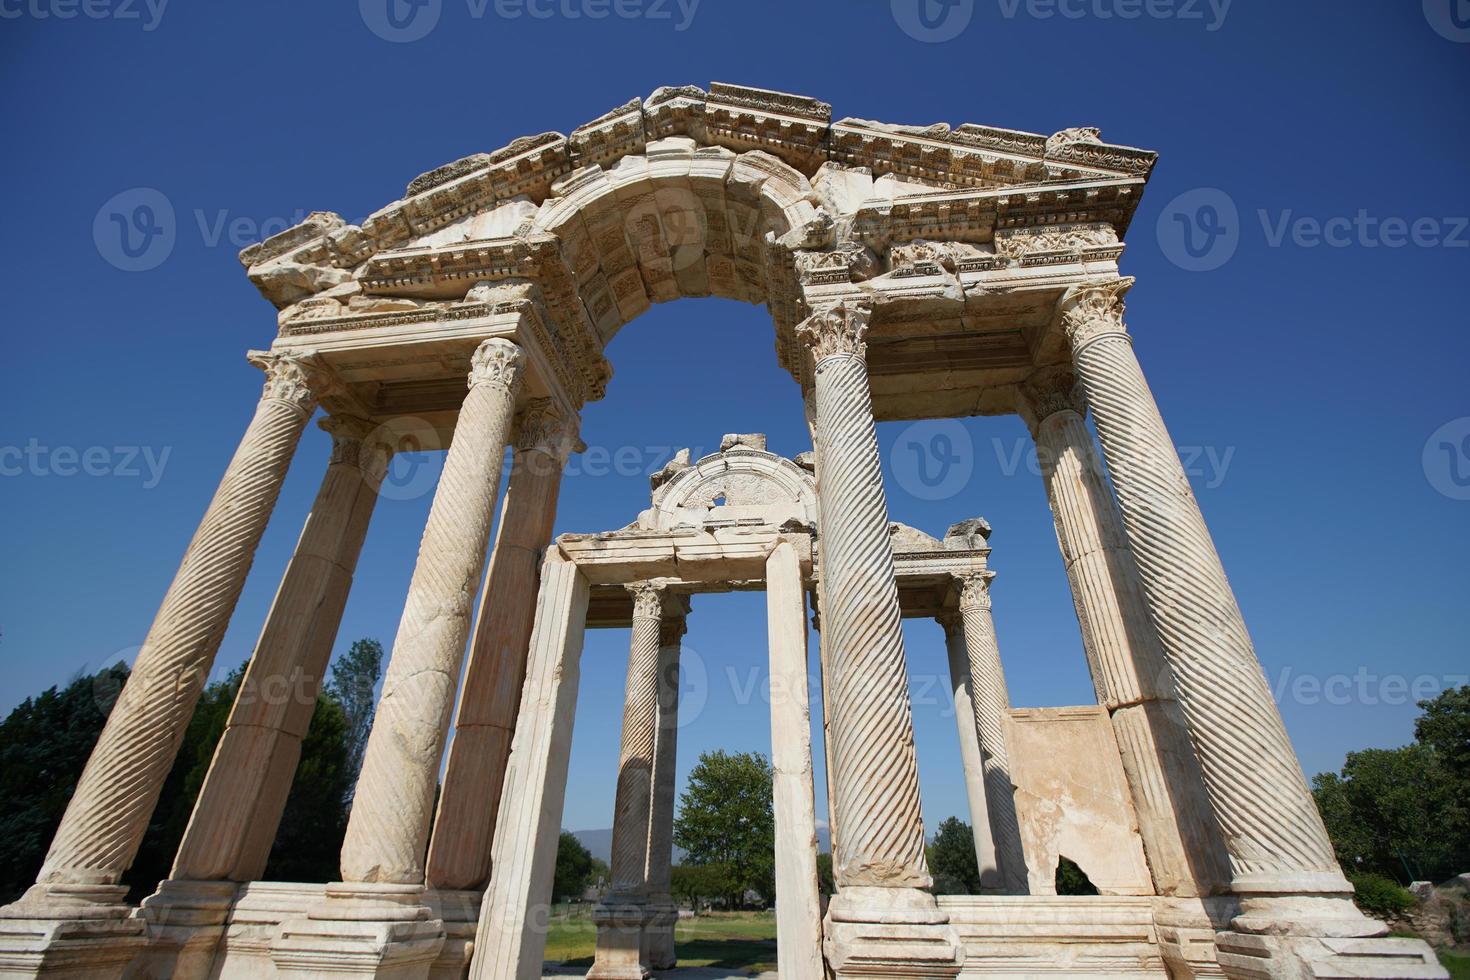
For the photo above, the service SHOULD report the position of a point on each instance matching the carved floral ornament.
(1094, 310)
(543, 427)
(358, 442)
(648, 600)
(291, 376)
(1053, 390)
(836, 331)
(497, 362)
(974, 589)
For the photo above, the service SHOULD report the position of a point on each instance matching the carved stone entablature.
(836, 331)
(1092, 310)
(794, 131)
(846, 262)
(1053, 244)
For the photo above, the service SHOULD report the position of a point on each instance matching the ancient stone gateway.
(910, 273)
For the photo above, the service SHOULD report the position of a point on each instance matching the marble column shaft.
(1132, 678)
(635, 762)
(388, 829)
(114, 800)
(798, 898)
(464, 829)
(875, 771)
(1260, 797)
(234, 822)
(991, 703)
(510, 939)
(659, 871)
(970, 755)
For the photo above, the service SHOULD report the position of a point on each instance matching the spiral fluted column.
(234, 822)
(391, 811)
(109, 812)
(879, 862)
(620, 917)
(1274, 833)
(464, 829)
(971, 757)
(992, 702)
(663, 913)
(1133, 681)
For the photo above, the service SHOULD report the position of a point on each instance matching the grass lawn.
(729, 940)
(1457, 963)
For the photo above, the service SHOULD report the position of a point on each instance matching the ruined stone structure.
(910, 273)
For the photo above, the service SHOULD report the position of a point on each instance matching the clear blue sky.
(1316, 374)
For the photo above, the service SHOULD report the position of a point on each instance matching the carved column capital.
(498, 362)
(671, 630)
(952, 621)
(836, 331)
(358, 442)
(974, 589)
(648, 600)
(1093, 310)
(543, 427)
(291, 377)
(1049, 391)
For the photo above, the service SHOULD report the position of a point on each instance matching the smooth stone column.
(991, 703)
(1186, 855)
(620, 918)
(464, 830)
(881, 920)
(1282, 864)
(234, 822)
(663, 913)
(114, 800)
(970, 755)
(388, 829)
(798, 896)
(510, 940)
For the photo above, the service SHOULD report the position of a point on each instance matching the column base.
(658, 935)
(375, 930)
(1305, 937)
(186, 920)
(620, 942)
(460, 913)
(890, 932)
(74, 932)
(1186, 929)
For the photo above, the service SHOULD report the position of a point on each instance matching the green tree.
(355, 677)
(44, 743)
(826, 883)
(1445, 727)
(314, 821)
(574, 867)
(952, 859)
(726, 818)
(701, 883)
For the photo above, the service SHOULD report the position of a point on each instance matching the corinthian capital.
(1091, 310)
(358, 442)
(1049, 391)
(836, 330)
(543, 427)
(498, 362)
(974, 590)
(648, 600)
(291, 377)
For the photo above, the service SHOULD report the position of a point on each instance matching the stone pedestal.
(378, 930)
(883, 922)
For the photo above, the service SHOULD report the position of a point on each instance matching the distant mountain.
(599, 842)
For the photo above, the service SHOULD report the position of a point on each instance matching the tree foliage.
(952, 859)
(1402, 813)
(46, 740)
(726, 819)
(575, 867)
